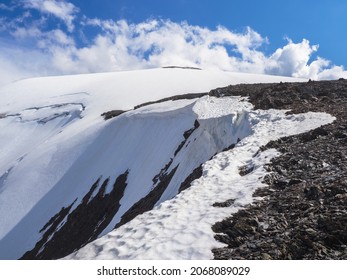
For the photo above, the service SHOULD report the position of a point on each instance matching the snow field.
(54, 144)
(180, 228)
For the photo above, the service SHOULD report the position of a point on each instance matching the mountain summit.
(129, 164)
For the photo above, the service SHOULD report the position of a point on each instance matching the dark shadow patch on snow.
(66, 232)
(57, 106)
(10, 115)
(75, 113)
(3, 178)
(53, 117)
(74, 94)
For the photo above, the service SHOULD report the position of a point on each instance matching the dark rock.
(70, 229)
(226, 203)
(197, 173)
(186, 135)
(246, 169)
(182, 67)
(112, 114)
(147, 203)
(312, 193)
(340, 134)
(173, 98)
(303, 213)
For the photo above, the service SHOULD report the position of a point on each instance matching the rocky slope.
(302, 213)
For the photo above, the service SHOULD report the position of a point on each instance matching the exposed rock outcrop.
(70, 229)
(303, 211)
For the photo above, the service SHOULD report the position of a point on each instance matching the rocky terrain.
(302, 213)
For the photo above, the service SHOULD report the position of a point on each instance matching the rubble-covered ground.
(302, 213)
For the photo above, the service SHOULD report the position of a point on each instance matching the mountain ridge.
(302, 211)
(165, 137)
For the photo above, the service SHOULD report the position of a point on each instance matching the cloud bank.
(119, 45)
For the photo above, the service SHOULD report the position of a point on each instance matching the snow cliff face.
(67, 176)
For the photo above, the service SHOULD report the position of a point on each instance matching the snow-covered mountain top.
(56, 149)
(119, 90)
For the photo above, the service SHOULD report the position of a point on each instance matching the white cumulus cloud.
(59, 8)
(157, 43)
(120, 45)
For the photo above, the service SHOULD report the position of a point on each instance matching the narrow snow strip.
(180, 228)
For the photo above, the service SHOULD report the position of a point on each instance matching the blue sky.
(320, 21)
(304, 38)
